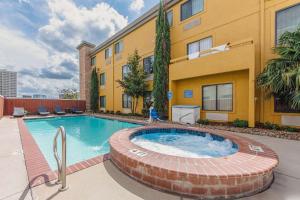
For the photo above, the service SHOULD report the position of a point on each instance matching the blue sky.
(39, 37)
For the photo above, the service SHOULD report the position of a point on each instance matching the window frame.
(189, 1)
(216, 85)
(276, 18)
(123, 76)
(128, 105)
(109, 50)
(120, 48)
(148, 57)
(104, 102)
(93, 61)
(100, 82)
(172, 21)
(187, 45)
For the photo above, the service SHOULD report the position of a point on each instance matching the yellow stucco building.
(217, 50)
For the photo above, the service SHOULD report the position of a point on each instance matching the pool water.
(185, 143)
(87, 136)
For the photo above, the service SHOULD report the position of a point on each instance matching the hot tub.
(194, 162)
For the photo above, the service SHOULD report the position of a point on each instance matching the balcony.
(221, 59)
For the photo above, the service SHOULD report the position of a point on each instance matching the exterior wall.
(233, 21)
(1, 106)
(85, 71)
(32, 105)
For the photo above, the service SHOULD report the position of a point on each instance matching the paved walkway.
(105, 181)
(13, 174)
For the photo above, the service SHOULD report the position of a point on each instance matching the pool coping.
(38, 169)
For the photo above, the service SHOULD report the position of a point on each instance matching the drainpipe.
(262, 53)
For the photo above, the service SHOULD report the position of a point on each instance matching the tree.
(281, 77)
(69, 93)
(134, 83)
(161, 62)
(94, 91)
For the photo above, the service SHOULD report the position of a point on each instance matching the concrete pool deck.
(105, 181)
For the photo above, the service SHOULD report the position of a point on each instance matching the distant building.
(39, 96)
(26, 96)
(8, 83)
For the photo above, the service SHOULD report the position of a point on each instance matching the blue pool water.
(87, 136)
(178, 142)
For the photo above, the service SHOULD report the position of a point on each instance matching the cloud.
(137, 5)
(49, 61)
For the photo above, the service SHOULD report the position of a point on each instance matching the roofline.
(85, 43)
(149, 15)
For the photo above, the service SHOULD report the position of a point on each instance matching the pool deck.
(105, 181)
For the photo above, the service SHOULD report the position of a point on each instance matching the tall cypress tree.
(161, 62)
(94, 91)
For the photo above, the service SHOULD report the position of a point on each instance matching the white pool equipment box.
(186, 114)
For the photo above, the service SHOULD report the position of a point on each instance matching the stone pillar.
(85, 71)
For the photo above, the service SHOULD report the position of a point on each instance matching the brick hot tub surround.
(242, 174)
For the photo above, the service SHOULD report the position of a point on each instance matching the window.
(93, 61)
(126, 101)
(287, 20)
(217, 97)
(199, 46)
(102, 101)
(125, 71)
(148, 64)
(190, 8)
(284, 106)
(170, 17)
(147, 98)
(118, 47)
(108, 53)
(102, 79)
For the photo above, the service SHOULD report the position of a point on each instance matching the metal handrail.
(181, 117)
(61, 164)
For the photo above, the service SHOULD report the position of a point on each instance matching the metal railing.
(61, 164)
(183, 116)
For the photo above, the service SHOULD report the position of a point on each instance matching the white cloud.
(50, 61)
(137, 5)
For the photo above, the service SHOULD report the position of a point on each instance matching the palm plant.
(281, 77)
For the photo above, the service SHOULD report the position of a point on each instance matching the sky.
(38, 38)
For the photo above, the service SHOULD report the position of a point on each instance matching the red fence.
(32, 105)
(1, 106)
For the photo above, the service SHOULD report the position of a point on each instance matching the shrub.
(118, 113)
(107, 111)
(101, 111)
(203, 121)
(271, 126)
(290, 129)
(145, 112)
(240, 123)
(112, 112)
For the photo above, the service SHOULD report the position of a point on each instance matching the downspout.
(262, 54)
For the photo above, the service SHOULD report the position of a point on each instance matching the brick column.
(85, 71)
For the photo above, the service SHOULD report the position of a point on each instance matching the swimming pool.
(87, 136)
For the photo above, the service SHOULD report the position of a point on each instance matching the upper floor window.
(190, 8)
(198, 46)
(102, 101)
(126, 101)
(102, 79)
(125, 71)
(148, 64)
(287, 20)
(93, 61)
(108, 52)
(217, 97)
(118, 47)
(170, 17)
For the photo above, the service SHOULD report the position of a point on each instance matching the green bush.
(112, 112)
(240, 123)
(271, 126)
(118, 113)
(290, 129)
(107, 111)
(203, 121)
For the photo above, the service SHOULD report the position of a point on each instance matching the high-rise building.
(39, 96)
(8, 83)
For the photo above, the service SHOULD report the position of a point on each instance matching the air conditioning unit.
(185, 114)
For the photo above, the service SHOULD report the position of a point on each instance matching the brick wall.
(31, 105)
(1, 106)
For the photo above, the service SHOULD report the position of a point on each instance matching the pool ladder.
(61, 164)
